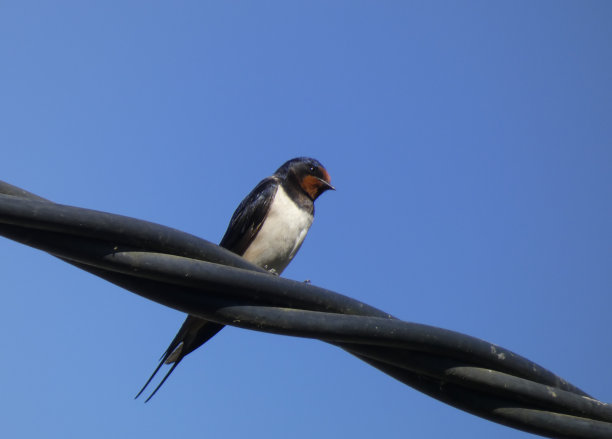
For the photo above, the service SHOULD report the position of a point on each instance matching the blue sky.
(471, 146)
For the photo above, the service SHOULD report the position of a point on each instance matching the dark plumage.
(290, 210)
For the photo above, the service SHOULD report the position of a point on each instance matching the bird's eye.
(313, 169)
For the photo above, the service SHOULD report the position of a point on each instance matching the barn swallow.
(267, 229)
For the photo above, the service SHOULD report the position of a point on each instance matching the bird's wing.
(249, 216)
(243, 227)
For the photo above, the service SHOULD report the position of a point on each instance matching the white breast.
(281, 235)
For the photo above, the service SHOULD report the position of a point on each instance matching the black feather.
(249, 216)
(242, 230)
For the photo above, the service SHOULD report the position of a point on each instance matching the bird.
(267, 229)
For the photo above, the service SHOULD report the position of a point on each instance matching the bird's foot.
(272, 271)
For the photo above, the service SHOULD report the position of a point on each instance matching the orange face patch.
(311, 185)
(326, 176)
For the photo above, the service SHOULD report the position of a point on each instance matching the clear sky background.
(471, 146)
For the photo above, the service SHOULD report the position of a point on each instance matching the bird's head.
(310, 175)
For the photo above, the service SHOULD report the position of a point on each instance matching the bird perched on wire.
(267, 229)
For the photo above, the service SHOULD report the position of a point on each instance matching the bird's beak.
(325, 185)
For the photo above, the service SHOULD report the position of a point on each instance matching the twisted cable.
(195, 276)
